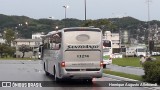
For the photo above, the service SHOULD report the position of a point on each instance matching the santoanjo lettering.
(82, 46)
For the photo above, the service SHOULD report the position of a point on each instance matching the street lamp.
(85, 9)
(65, 8)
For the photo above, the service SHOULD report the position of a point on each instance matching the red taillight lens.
(62, 64)
(101, 64)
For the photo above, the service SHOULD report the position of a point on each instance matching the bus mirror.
(40, 48)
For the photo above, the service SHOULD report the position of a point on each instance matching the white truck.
(134, 51)
(140, 51)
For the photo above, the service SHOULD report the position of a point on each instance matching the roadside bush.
(152, 71)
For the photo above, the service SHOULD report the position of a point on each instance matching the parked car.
(117, 55)
(107, 60)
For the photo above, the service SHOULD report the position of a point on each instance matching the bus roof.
(70, 29)
(80, 28)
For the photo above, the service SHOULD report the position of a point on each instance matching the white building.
(1, 39)
(125, 37)
(32, 43)
(115, 38)
(37, 35)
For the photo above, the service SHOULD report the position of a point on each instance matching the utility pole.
(149, 26)
(85, 9)
(65, 13)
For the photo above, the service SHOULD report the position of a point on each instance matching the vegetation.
(6, 50)
(11, 58)
(152, 71)
(131, 76)
(103, 24)
(127, 61)
(9, 36)
(23, 49)
(24, 30)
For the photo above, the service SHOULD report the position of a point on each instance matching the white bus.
(74, 53)
(107, 52)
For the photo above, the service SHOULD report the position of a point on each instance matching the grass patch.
(131, 76)
(157, 57)
(127, 61)
(130, 61)
(9, 58)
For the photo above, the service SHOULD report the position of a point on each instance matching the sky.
(96, 9)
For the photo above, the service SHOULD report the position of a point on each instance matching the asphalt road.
(130, 70)
(33, 71)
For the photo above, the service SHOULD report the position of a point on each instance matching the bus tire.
(55, 76)
(47, 74)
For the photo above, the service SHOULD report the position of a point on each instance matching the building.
(1, 39)
(125, 37)
(115, 38)
(32, 43)
(37, 35)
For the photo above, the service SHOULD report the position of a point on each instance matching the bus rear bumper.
(82, 74)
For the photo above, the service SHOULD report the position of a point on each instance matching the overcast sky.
(96, 9)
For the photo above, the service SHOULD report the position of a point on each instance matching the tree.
(9, 36)
(2, 47)
(6, 50)
(11, 51)
(103, 24)
(23, 49)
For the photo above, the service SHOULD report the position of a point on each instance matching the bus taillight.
(101, 64)
(62, 64)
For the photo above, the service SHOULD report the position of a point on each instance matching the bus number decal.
(82, 56)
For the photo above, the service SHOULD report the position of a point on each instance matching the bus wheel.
(104, 65)
(55, 76)
(47, 74)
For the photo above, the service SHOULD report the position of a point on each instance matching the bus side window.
(55, 42)
(45, 46)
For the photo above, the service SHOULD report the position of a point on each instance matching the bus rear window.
(82, 37)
